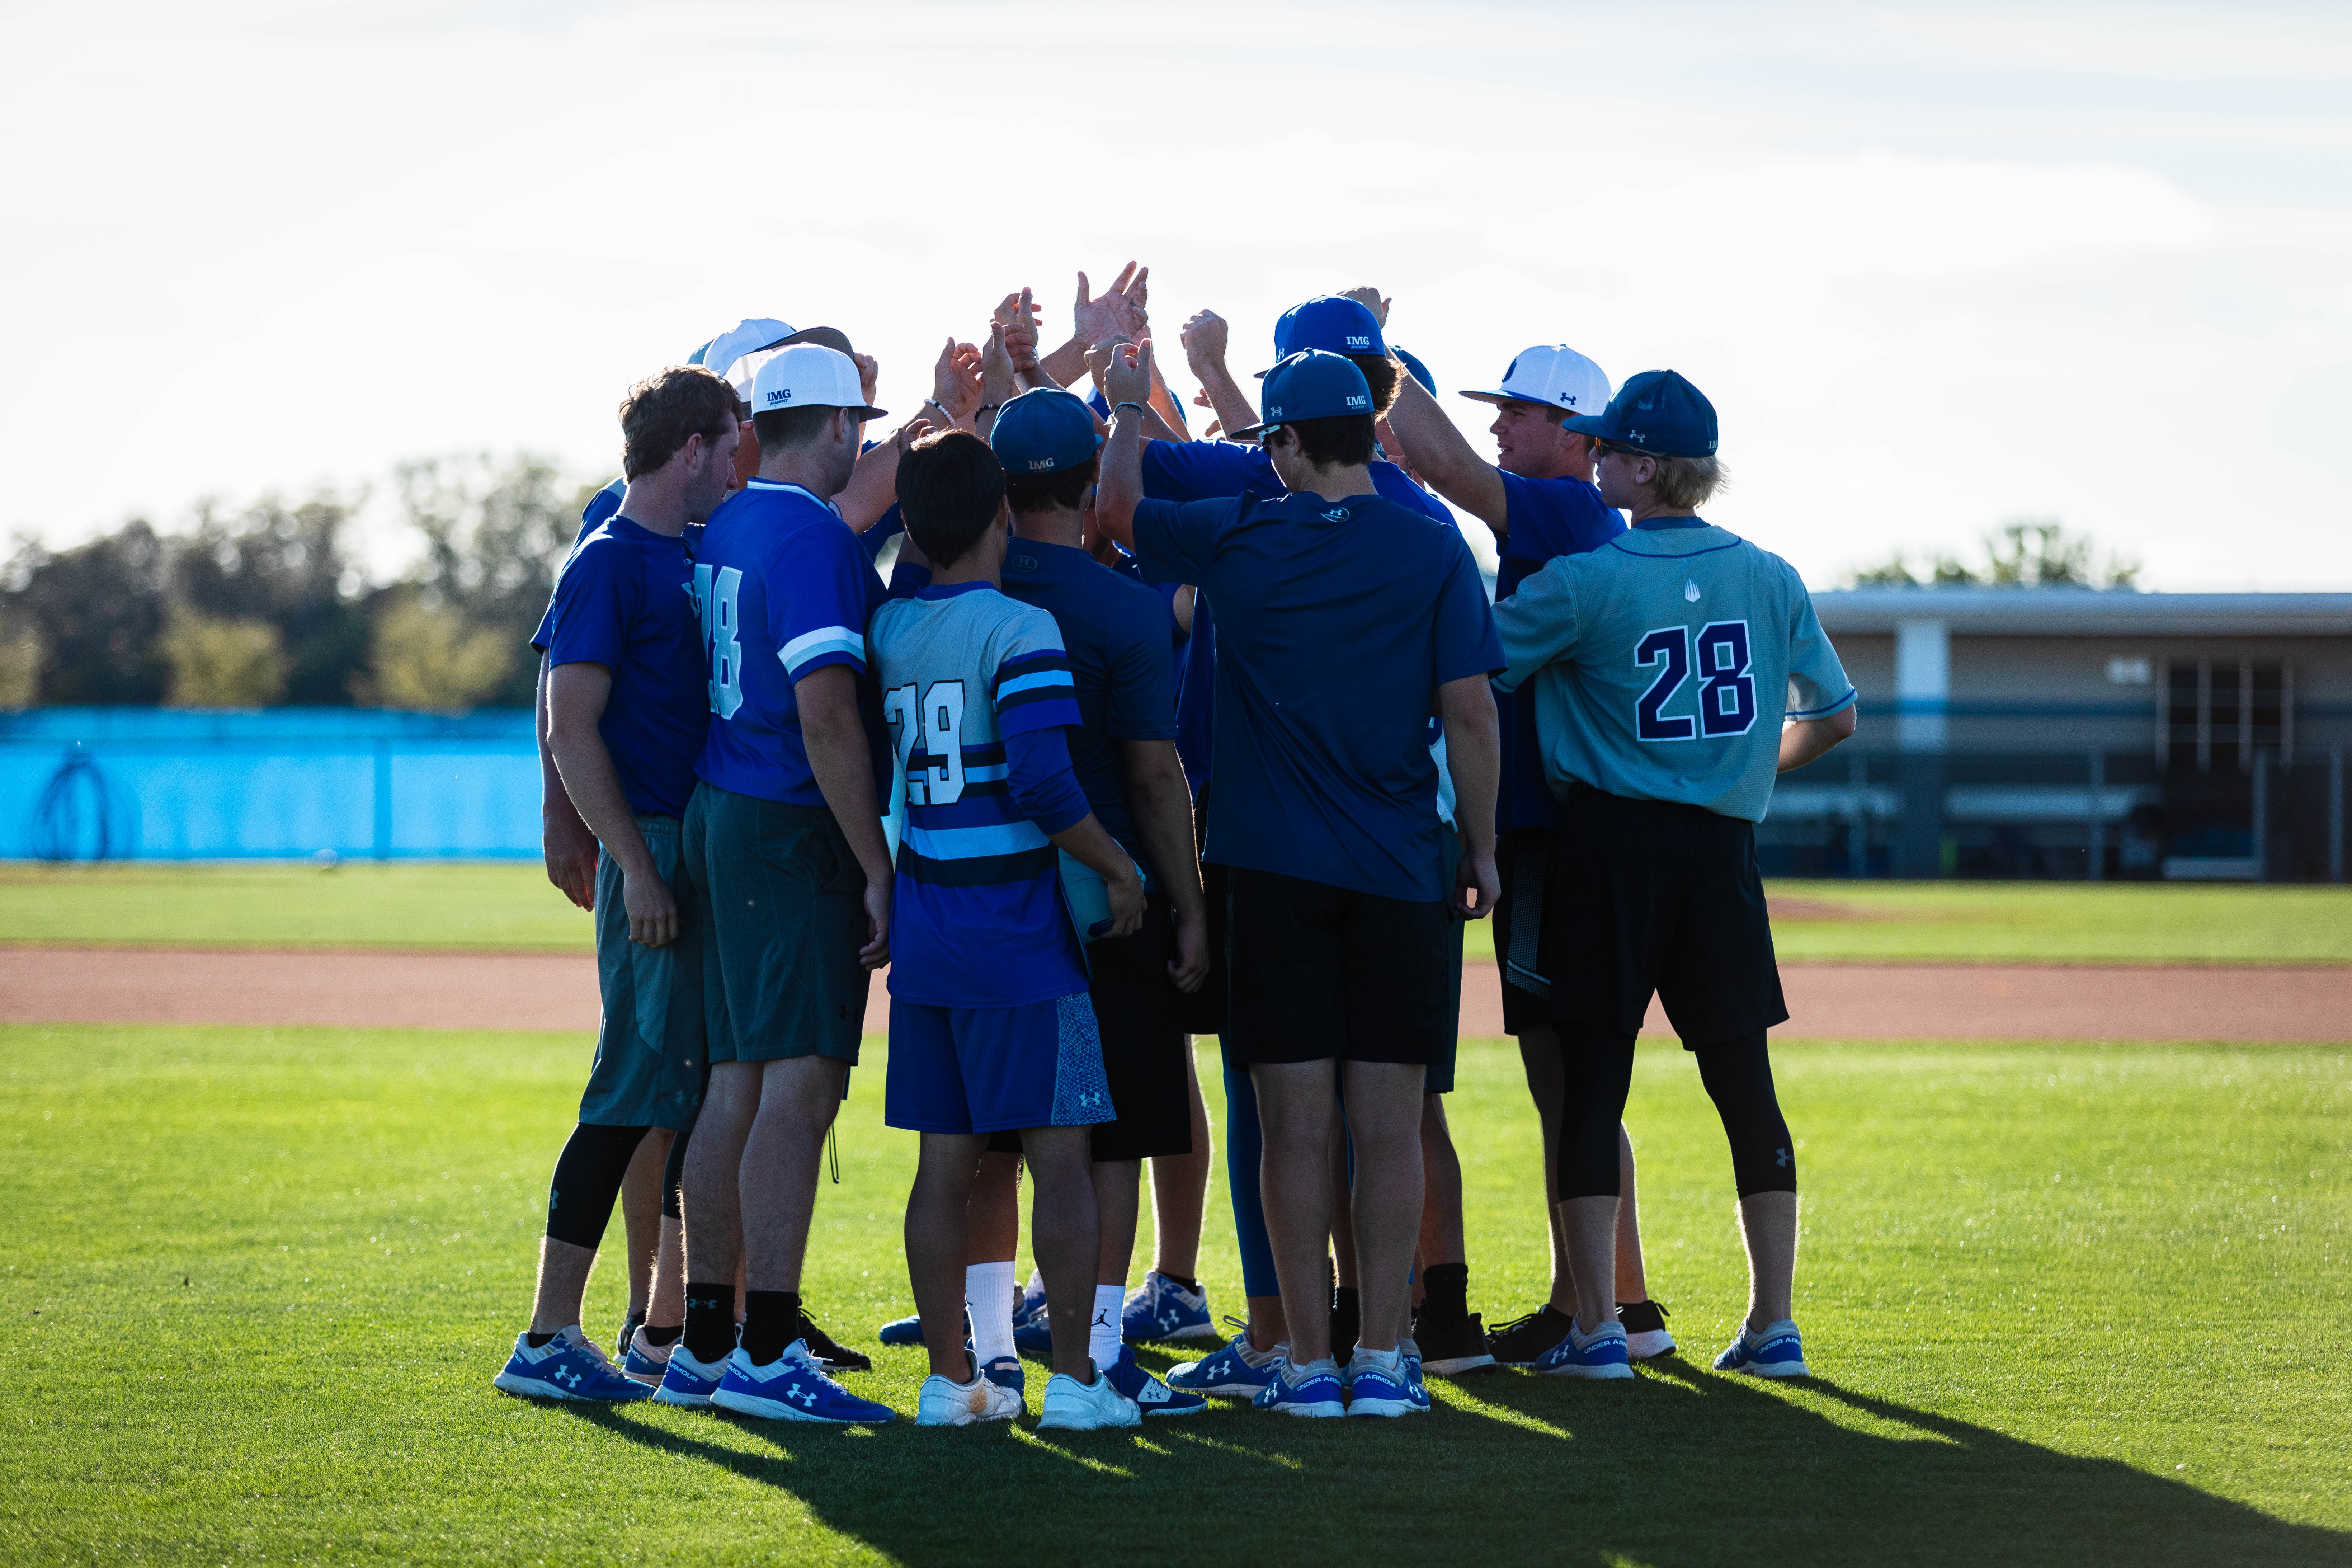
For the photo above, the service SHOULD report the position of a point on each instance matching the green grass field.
(2070, 1304)
(511, 907)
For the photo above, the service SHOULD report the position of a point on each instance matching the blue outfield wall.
(189, 785)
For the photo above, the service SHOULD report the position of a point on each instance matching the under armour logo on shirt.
(1783, 1160)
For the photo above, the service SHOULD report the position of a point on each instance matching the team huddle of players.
(1101, 736)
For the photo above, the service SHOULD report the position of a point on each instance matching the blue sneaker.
(793, 1387)
(1316, 1394)
(1600, 1354)
(566, 1367)
(1161, 1311)
(1236, 1372)
(688, 1382)
(1006, 1372)
(645, 1362)
(1032, 1333)
(1414, 1383)
(1375, 1388)
(1777, 1352)
(1150, 1395)
(905, 1331)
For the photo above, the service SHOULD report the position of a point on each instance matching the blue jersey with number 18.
(1663, 662)
(784, 592)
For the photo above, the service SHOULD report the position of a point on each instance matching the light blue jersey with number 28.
(1664, 661)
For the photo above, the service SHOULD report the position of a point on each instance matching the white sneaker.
(1075, 1407)
(946, 1402)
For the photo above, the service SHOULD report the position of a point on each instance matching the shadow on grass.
(1682, 1467)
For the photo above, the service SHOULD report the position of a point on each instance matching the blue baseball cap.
(1656, 412)
(1331, 322)
(1044, 431)
(1311, 385)
(1418, 371)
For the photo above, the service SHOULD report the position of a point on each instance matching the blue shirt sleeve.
(1142, 677)
(1032, 688)
(1038, 774)
(588, 614)
(891, 524)
(1206, 470)
(605, 503)
(907, 580)
(820, 618)
(1466, 642)
(1554, 517)
(1178, 543)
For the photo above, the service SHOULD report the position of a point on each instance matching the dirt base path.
(558, 991)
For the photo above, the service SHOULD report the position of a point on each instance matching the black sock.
(538, 1342)
(771, 1322)
(1445, 1288)
(1347, 1319)
(1191, 1285)
(658, 1337)
(709, 1321)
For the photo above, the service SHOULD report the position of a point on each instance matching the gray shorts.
(784, 898)
(650, 1062)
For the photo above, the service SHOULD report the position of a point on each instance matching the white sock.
(1102, 1334)
(988, 1296)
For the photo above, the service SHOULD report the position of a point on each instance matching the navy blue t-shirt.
(1215, 470)
(624, 599)
(1337, 621)
(604, 503)
(1546, 519)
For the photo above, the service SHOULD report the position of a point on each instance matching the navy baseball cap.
(1044, 431)
(1311, 385)
(1331, 322)
(1656, 412)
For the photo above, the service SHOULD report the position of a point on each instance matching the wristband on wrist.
(1137, 406)
(987, 408)
(935, 403)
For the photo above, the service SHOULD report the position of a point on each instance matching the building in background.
(2071, 733)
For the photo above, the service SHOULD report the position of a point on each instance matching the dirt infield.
(541, 991)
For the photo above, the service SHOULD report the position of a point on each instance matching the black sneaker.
(821, 1345)
(1522, 1340)
(1451, 1345)
(627, 1336)
(1645, 1329)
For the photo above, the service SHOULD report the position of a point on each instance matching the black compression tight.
(588, 1182)
(1738, 1073)
(674, 1172)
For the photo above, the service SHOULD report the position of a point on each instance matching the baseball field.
(2072, 1299)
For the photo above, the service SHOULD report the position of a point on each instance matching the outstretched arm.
(1203, 339)
(1443, 457)
(1127, 381)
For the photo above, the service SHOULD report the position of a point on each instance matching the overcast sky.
(1935, 267)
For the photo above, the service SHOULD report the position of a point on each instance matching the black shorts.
(1139, 1014)
(1649, 895)
(1205, 1010)
(1322, 972)
(1524, 857)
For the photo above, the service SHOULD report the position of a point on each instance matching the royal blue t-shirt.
(1337, 623)
(624, 599)
(1213, 470)
(1546, 519)
(785, 591)
(604, 503)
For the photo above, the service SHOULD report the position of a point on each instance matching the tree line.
(270, 605)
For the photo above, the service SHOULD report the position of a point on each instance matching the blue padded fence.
(190, 784)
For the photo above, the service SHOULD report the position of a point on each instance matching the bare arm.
(842, 760)
(570, 846)
(576, 695)
(1443, 457)
(1808, 740)
(1089, 843)
(1203, 341)
(1127, 376)
(1473, 756)
(1163, 816)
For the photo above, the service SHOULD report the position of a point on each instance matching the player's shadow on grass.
(1684, 1468)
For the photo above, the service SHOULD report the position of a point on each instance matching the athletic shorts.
(1524, 857)
(1651, 895)
(1441, 1072)
(785, 899)
(649, 1044)
(1205, 1010)
(1319, 972)
(996, 1069)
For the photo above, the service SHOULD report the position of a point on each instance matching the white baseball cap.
(805, 376)
(1554, 375)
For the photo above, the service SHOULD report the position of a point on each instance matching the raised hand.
(1099, 318)
(1203, 341)
(998, 374)
(1370, 298)
(869, 373)
(955, 382)
(1127, 374)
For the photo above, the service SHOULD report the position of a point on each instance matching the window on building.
(2217, 713)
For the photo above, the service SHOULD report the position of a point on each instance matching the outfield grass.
(511, 907)
(2070, 1304)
